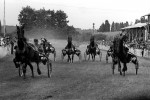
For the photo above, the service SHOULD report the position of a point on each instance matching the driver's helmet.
(35, 40)
(92, 38)
(69, 38)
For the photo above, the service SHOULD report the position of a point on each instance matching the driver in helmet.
(38, 47)
(70, 44)
(92, 43)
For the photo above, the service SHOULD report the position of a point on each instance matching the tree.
(107, 26)
(112, 27)
(0, 27)
(27, 16)
(61, 19)
(102, 28)
(126, 24)
(137, 21)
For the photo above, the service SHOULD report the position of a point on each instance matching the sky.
(81, 13)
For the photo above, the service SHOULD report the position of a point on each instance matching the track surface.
(84, 80)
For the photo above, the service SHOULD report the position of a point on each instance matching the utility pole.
(93, 28)
(4, 23)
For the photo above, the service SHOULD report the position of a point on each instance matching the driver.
(70, 44)
(38, 47)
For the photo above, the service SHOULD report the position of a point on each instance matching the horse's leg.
(68, 58)
(106, 58)
(113, 67)
(89, 56)
(38, 69)
(24, 70)
(93, 57)
(124, 68)
(72, 57)
(15, 62)
(54, 55)
(119, 66)
(31, 67)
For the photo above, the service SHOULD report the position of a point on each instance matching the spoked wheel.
(54, 55)
(62, 57)
(85, 56)
(106, 58)
(100, 55)
(137, 67)
(136, 71)
(113, 68)
(80, 57)
(49, 68)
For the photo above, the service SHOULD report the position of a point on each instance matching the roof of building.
(138, 25)
(147, 14)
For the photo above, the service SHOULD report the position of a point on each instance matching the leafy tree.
(126, 24)
(102, 28)
(107, 26)
(61, 19)
(0, 27)
(27, 16)
(137, 21)
(112, 27)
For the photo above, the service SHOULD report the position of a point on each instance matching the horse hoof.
(39, 72)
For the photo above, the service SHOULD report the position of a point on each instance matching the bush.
(100, 36)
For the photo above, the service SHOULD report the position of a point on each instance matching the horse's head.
(21, 38)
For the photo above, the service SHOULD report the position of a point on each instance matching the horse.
(93, 51)
(69, 52)
(121, 54)
(25, 54)
(48, 48)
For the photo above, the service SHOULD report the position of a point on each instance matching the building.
(139, 32)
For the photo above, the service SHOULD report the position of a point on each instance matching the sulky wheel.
(62, 56)
(80, 57)
(100, 55)
(54, 55)
(85, 56)
(49, 68)
(106, 58)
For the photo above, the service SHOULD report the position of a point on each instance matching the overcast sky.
(81, 13)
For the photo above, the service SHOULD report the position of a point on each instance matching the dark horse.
(93, 51)
(25, 54)
(69, 52)
(121, 54)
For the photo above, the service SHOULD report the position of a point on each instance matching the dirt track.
(84, 80)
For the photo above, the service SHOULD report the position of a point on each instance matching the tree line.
(45, 19)
(115, 26)
(0, 27)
